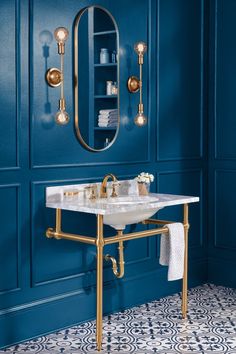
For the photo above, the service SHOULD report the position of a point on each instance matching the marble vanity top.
(127, 201)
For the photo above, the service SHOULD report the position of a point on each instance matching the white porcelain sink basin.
(143, 207)
(131, 200)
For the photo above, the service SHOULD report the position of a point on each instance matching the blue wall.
(48, 284)
(222, 148)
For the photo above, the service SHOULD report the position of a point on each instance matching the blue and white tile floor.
(156, 327)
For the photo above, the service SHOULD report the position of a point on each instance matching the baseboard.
(32, 320)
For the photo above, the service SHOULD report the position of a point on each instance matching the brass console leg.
(58, 220)
(185, 277)
(100, 245)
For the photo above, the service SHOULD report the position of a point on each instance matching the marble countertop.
(124, 203)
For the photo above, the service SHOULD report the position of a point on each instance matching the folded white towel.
(107, 116)
(107, 111)
(107, 125)
(105, 120)
(172, 251)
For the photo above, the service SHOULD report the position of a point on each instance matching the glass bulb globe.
(140, 47)
(61, 34)
(140, 120)
(62, 117)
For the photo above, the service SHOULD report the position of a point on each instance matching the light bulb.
(140, 48)
(140, 120)
(62, 117)
(61, 34)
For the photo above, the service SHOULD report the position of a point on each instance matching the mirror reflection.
(96, 65)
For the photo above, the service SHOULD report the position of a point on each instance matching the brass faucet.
(103, 190)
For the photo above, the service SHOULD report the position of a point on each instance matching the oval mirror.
(96, 85)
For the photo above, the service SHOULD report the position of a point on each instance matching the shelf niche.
(95, 29)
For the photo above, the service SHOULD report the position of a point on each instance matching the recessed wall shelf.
(102, 37)
(105, 65)
(104, 33)
(105, 128)
(105, 96)
(97, 116)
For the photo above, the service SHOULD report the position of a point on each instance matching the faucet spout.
(103, 190)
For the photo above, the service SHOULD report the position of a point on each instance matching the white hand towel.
(104, 125)
(172, 251)
(108, 116)
(107, 111)
(103, 120)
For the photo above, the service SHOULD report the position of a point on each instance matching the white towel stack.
(172, 251)
(108, 118)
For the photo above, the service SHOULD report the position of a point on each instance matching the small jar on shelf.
(113, 57)
(114, 89)
(109, 88)
(106, 143)
(104, 56)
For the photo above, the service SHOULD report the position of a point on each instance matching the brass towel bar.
(58, 234)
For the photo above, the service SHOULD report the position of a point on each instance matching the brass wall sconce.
(135, 84)
(55, 76)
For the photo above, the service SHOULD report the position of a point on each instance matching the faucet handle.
(71, 195)
(114, 191)
(92, 192)
(93, 195)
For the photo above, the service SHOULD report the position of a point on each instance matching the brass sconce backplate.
(53, 77)
(133, 84)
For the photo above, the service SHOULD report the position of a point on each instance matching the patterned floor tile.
(156, 327)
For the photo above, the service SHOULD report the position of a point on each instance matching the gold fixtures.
(59, 234)
(100, 242)
(62, 116)
(91, 192)
(118, 274)
(93, 195)
(100, 246)
(103, 190)
(135, 84)
(71, 193)
(185, 277)
(58, 221)
(140, 119)
(61, 34)
(55, 76)
(140, 48)
(114, 192)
